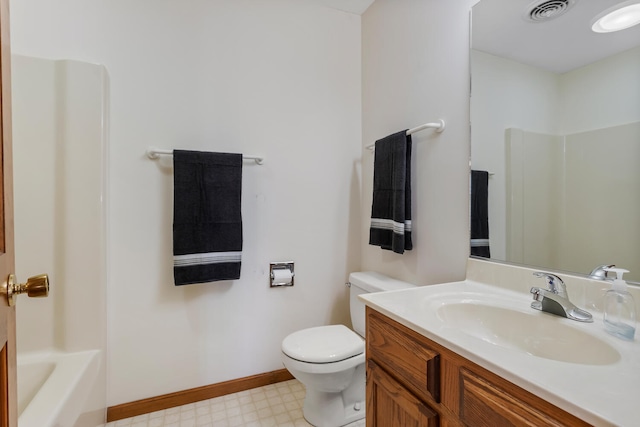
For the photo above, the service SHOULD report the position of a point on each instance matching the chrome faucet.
(555, 299)
(600, 272)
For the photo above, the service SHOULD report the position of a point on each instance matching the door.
(8, 387)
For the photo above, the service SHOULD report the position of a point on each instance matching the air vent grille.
(548, 9)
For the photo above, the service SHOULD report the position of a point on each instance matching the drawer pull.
(433, 377)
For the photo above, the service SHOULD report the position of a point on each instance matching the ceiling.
(352, 6)
(559, 45)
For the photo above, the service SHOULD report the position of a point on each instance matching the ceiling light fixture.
(618, 18)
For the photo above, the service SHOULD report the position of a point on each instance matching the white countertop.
(601, 394)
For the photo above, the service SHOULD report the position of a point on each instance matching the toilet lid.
(324, 344)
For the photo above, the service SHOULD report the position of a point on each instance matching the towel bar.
(439, 127)
(154, 153)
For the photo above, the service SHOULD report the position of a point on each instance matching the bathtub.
(53, 386)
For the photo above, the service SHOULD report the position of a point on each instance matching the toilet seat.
(323, 368)
(323, 344)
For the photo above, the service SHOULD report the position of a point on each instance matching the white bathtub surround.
(59, 125)
(588, 385)
(54, 387)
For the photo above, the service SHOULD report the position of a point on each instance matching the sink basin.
(537, 334)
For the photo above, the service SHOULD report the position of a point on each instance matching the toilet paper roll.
(282, 276)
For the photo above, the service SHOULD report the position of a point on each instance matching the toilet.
(329, 360)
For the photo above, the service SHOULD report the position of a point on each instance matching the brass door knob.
(36, 287)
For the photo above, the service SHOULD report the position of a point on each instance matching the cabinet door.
(391, 405)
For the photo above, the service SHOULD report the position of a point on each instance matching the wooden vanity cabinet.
(415, 382)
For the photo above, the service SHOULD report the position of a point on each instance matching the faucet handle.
(555, 284)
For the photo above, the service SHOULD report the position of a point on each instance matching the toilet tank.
(364, 282)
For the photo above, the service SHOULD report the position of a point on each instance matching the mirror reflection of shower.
(569, 94)
(582, 208)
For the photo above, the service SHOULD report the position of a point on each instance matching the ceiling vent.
(547, 10)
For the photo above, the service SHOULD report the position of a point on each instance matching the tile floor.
(275, 405)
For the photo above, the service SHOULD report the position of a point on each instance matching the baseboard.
(158, 403)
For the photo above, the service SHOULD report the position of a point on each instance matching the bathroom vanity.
(474, 353)
(411, 380)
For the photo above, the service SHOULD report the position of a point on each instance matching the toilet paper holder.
(281, 274)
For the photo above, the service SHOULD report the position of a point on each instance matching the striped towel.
(480, 214)
(391, 207)
(207, 222)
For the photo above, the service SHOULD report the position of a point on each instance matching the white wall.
(415, 63)
(279, 79)
(602, 94)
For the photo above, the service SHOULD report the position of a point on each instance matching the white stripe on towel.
(206, 258)
(476, 243)
(389, 224)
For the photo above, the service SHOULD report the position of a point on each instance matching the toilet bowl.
(330, 360)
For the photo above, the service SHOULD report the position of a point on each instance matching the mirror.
(555, 136)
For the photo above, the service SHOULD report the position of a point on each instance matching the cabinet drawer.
(490, 403)
(405, 354)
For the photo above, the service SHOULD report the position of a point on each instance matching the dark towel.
(391, 208)
(207, 222)
(480, 214)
